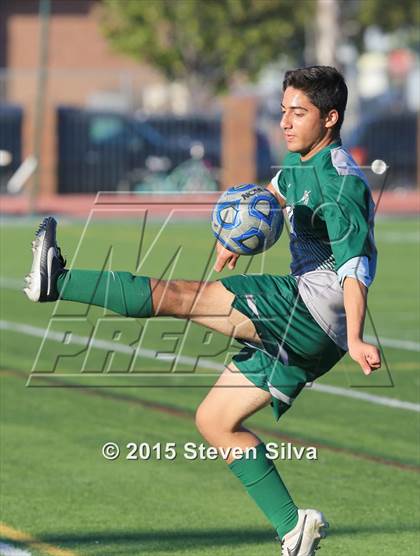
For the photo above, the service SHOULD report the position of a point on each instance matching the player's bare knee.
(209, 423)
(202, 419)
(213, 424)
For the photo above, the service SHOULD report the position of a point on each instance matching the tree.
(207, 41)
(388, 14)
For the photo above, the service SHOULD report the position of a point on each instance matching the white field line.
(204, 363)
(398, 237)
(105, 345)
(408, 345)
(9, 550)
(11, 283)
(371, 398)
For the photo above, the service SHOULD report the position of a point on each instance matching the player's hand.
(367, 355)
(223, 257)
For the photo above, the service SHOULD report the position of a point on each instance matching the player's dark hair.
(325, 87)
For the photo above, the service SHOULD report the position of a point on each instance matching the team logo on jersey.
(305, 197)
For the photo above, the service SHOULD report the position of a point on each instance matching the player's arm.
(224, 256)
(348, 230)
(355, 296)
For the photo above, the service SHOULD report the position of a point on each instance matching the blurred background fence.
(88, 117)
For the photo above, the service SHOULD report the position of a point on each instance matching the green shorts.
(294, 350)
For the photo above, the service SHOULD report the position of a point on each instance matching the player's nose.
(285, 121)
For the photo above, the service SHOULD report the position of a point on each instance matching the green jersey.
(331, 214)
(330, 210)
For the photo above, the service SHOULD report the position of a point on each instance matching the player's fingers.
(221, 260)
(369, 366)
(366, 368)
(218, 265)
(232, 262)
(374, 363)
(373, 357)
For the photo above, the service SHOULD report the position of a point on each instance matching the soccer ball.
(247, 219)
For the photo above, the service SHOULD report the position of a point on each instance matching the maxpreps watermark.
(192, 451)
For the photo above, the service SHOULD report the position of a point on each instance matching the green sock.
(264, 485)
(120, 292)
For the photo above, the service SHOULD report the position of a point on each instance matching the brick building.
(82, 68)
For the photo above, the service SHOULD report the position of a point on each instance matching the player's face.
(303, 127)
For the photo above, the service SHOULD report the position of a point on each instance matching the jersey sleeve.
(345, 209)
(278, 183)
(359, 268)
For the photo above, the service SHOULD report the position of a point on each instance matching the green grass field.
(58, 488)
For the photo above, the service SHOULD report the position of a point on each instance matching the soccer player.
(294, 328)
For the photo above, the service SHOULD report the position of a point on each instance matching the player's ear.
(331, 118)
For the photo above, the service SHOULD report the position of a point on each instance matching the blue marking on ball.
(247, 219)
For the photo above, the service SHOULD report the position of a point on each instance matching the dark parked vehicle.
(10, 142)
(389, 137)
(106, 151)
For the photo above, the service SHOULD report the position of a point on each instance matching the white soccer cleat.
(47, 264)
(304, 539)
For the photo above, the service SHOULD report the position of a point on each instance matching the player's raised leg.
(219, 419)
(207, 303)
